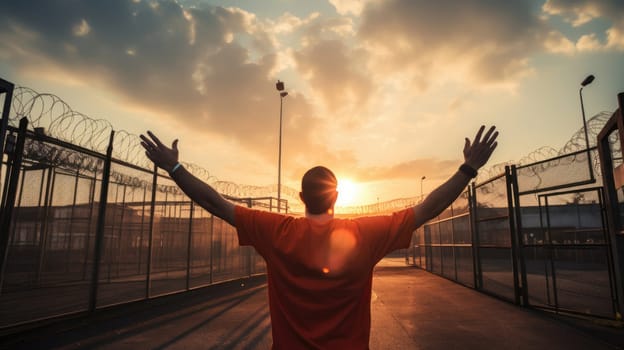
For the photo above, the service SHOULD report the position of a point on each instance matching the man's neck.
(320, 218)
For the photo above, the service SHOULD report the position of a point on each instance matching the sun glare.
(347, 193)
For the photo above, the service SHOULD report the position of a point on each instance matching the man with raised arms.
(320, 268)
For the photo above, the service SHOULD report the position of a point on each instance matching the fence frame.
(6, 88)
(15, 170)
(515, 225)
(614, 124)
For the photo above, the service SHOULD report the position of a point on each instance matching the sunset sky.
(381, 91)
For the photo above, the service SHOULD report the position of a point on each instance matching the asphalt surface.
(411, 309)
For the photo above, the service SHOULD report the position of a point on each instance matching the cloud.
(345, 7)
(440, 170)
(576, 12)
(288, 22)
(558, 43)
(208, 68)
(335, 74)
(333, 66)
(485, 42)
(589, 42)
(581, 12)
(615, 36)
(82, 28)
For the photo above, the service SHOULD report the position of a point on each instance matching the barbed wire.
(594, 126)
(60, 121)
(575, 144)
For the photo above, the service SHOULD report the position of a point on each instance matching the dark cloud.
(186, 63)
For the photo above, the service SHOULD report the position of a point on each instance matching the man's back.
(320, 273)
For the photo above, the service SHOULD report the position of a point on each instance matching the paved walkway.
(411, 309)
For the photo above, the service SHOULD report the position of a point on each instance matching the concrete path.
(418, 310)
(411, 309)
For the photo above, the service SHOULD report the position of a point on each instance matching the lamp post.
(421, 188)
(280, 87)
(588, 80)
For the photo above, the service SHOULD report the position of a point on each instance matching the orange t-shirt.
(320, 275)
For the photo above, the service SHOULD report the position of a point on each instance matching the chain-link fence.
(72, 250)
(563, 237)
(534, 235)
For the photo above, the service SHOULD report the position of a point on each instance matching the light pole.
(280, 87)
(588, 80)
(421, 188)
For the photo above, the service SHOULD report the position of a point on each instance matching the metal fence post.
(101, 221)
(92, 185)
(610, 261)
(453, 242)
(119, 254)
(189, 247)
(68, 256)
(474, 228)
(513, 234)
(617, 249)
(212, 219)
(7, 89)
(43, 231)
(519, 239)
(13, 180)
(551, 253)
(249, 250)
(140, 244)
(148, 280)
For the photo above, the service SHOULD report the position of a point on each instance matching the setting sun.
(348, 192)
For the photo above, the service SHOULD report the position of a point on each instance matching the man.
(320, 268)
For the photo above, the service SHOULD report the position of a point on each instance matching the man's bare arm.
(199, 191)
(476, 154)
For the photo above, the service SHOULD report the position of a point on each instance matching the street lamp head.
(422, 178)
(280, 86)
(588, 80)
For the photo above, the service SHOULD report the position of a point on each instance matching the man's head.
(318, 190)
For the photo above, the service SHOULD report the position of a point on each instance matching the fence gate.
(610, 141)
(567, 261)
